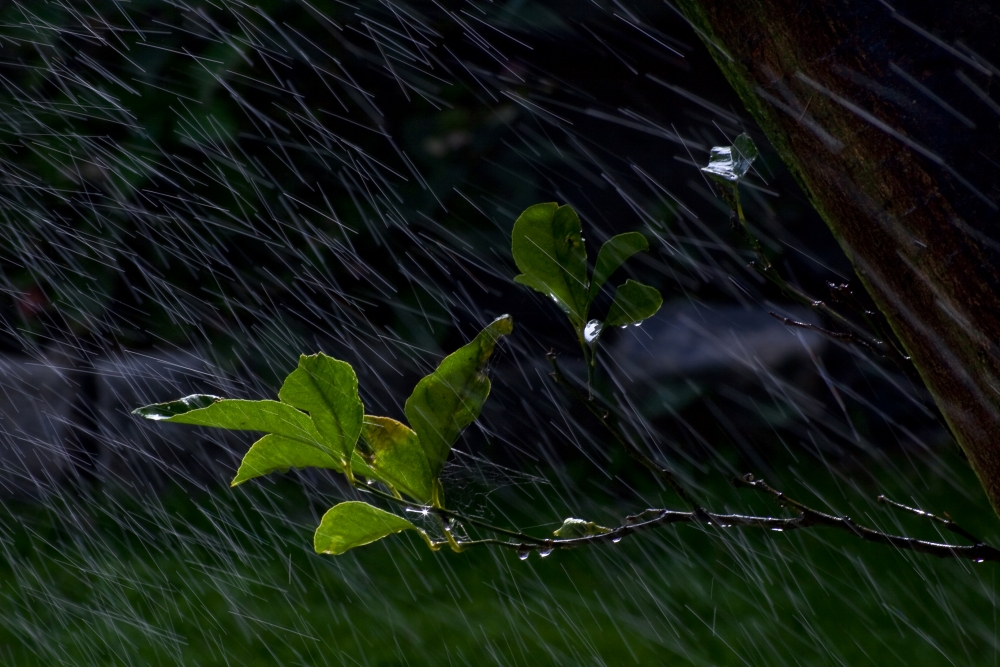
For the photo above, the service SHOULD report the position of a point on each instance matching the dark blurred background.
(244, 184)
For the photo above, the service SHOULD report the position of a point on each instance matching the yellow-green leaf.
(276, 453)
(236, 415)
(354, 524)
(397, 458)
(327, 389)
(573, 528)
(450, 398)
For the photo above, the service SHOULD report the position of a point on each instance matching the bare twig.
(811, 517)
(763, 266)
(806, 518)
(842, 293)
(849, 337)
(947, 523)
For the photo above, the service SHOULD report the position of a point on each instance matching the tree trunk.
(886, 119)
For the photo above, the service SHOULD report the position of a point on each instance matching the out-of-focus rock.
(689, 348)
(140, 454)
(688, 340)
(35, 405)
(62, 423)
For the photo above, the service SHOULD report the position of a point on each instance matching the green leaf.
(236, 415)
(276, 453)
(633, 303)
(731, 163)
(327, 389)
(397, 458)
(548, 249)
(573, 528)
(744, 153)
(612, 255)
(354, 524)
(450, 398)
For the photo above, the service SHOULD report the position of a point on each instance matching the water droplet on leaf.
(592, 331)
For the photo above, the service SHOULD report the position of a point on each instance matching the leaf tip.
(165, 411)
(503, 325)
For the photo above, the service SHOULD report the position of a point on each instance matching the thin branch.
(947, 523)
(764, 267)
(849, 336)
(842, 293)
(806, 518)
(979, 552)
(450, 514)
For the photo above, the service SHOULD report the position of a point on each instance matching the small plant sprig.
(728, 166)
(547, 243)
(319, 421)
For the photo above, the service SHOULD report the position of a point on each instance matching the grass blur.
(229, 578)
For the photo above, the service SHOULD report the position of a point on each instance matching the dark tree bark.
(889, 119)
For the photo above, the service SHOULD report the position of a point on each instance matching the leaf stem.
(451, 514)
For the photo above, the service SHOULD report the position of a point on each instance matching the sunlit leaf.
(236, 415)
(276, 453)
(731, 163)
(612, 255)
(327, 389)
(633, 303)
(573, 528)
(354, 524)
(450, 398)
(548, 250)
(397, 457)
